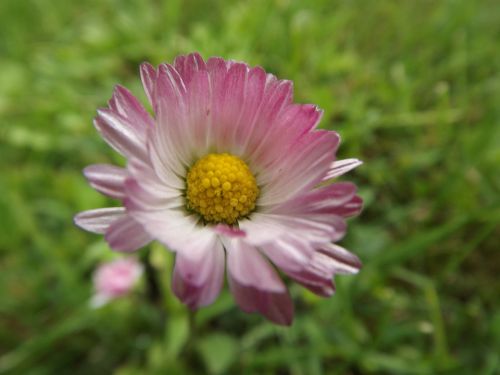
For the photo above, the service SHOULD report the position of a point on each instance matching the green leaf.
(177, 334)
(218, 352)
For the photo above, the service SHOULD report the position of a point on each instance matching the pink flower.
(115, 279)
(228, 169)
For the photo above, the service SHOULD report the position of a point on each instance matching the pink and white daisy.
(228, 169)
(115, 279)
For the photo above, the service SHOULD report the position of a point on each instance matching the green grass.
(412, 87)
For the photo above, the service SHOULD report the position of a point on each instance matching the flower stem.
(153, 287)
(192, 333)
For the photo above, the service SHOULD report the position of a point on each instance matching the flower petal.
(300, 169)
(170, 145)
(289, 233)
(127, 105)
(340, 260)
(98, 220)
(272, 142)
(244, 135)
(126, 234)
(189, 65)
(171, 226)
(314, 277)
(218, 70)
(148, 77)
(263, 228)
(227, 101)
(351, 208)
(324, 200)
(144, 196)
(199, 270)
(339, 167)
(120, 134)
(107, 179)
(228, 231)
(289, 253)
(199, 116)
(255, 284)
(327, 261)
(168, 186)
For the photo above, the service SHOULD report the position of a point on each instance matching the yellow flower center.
(221, 188)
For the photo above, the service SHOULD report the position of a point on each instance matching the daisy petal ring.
(227, 172)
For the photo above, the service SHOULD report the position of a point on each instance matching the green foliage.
(412, 87)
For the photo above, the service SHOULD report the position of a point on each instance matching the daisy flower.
(114, 279)
(227, 170)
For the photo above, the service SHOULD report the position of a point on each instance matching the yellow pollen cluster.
(221, 188)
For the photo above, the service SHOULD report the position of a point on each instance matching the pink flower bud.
(115, 279)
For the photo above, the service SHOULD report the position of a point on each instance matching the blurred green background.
(411, 86)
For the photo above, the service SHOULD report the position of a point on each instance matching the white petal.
(98, 220)
(126, 234)
(339, 167)
(107, 179)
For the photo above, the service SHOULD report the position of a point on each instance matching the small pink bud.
(115, 279)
